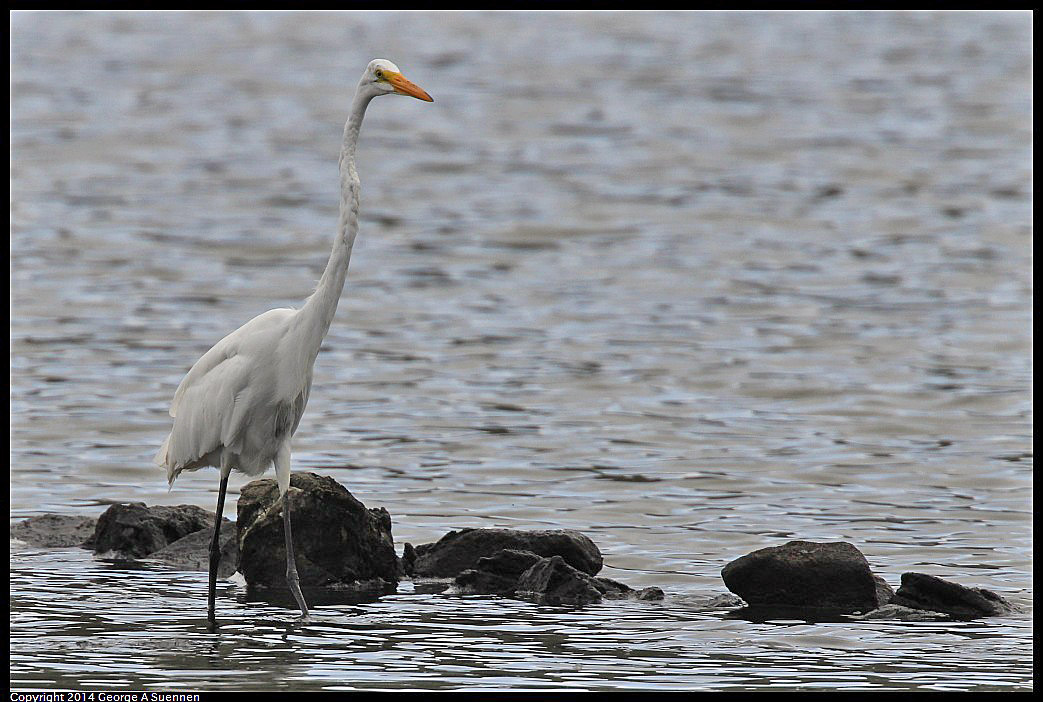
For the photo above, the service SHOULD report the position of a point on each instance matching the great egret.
(241, 402)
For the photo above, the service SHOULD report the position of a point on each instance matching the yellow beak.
(404, 87)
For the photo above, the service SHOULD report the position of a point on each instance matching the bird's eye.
(380, 74)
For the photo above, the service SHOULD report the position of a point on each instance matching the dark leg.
(291, 564)
(215, 548)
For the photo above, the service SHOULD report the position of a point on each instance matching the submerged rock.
(192, 552)
(406, 562)
(553, 581)
(135, 530)
(807, 574)
(511, 572)
(615, 590)
(725, 601)
(651, 594)
(904, 614)
(496, 574)
(139, 531)
(56, 531)
(458, 551)
(337, 540)
(927, 592)
(884, 593)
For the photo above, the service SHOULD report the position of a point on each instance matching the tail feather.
(161, 460)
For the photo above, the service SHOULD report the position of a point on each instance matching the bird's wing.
(205, 418)
(226, 348)
(211, 403)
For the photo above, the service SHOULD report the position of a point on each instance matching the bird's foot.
(295, 587)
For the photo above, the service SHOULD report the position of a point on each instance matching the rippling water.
(693, 284)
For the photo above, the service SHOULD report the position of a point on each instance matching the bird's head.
(383, 78)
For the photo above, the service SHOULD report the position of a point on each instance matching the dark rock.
(380, 514)
(553, 581)
(903, 614)
(651, 594)
(805, 574)
(496, 574)
(612, 589)
(508, 562)
(545, 580)
(477, 582)
(927, 592)
(56, 531)
(337, 541)
(192, 552)
(458, 551)
(615, 590)
(135, 531)
(725, 601)
(407, 562)
(884, 593)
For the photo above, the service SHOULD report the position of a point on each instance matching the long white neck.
(319, 309)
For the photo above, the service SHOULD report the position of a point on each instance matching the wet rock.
(476, 582)
(884, 593)
(725, 601)
(56, 531)
(613, 589)
(650, 594)
(458, 551)
(135, 531)
(407, 562)
(927, 592)
(903, 614)
(553, 581)
(509, 562)
(192, 552)
(546, 580)
(806, 574)
(337, 541)
(496, 574)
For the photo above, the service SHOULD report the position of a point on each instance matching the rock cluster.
(192, 552)
(837, 577)
(135, 530)
(179, 536)
(340, 544)
(459, 550)
(928, 592)
(544, 579)
(553, 581)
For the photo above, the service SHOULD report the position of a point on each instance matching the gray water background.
(692, 284)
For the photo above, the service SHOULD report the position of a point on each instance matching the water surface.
(693, 284)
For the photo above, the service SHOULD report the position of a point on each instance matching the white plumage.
(245, 396)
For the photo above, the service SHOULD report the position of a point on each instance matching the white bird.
(240, 404)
